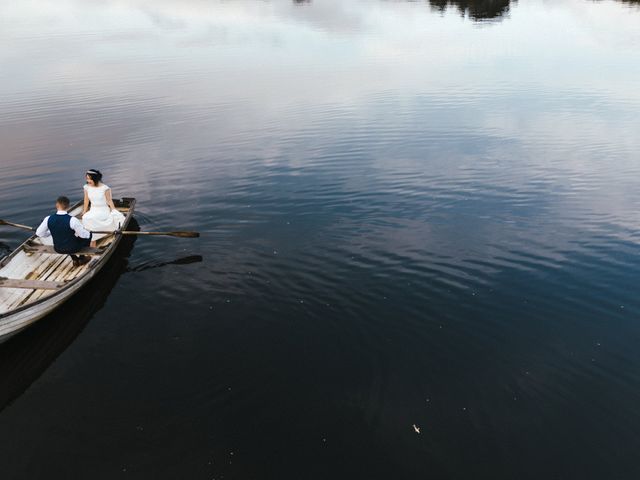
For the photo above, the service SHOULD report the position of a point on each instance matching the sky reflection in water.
(411, 212)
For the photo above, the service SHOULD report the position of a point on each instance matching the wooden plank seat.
(49, 249)
(30, 284)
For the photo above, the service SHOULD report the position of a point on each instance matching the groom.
(69, 236)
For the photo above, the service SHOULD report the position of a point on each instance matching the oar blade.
(185, 234)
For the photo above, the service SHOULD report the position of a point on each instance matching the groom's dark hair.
(63, 201)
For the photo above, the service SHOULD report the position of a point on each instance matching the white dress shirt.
(75, 224)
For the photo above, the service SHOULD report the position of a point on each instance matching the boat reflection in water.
(24, 357)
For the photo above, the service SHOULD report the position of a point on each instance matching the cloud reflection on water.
(358, 139)
(113, 78)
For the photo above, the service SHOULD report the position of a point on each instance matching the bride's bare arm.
(107, 194)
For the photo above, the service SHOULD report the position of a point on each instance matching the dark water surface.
(412, 213)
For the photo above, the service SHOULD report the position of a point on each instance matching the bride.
(102, 216)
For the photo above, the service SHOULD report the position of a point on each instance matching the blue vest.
(64, 237)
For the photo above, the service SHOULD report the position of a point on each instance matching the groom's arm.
(43, 229)
(77, 227)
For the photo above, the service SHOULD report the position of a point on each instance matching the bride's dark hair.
(95, 175)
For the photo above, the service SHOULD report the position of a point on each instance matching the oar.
(17, 225)
(117, 232)
(170, 234)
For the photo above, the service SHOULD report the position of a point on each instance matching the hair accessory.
(93, 172)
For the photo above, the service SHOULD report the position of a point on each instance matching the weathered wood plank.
(63, 263)
(49, 267)
(23, 267)
(29, 284)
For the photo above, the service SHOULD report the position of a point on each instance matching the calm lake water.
(412, 213)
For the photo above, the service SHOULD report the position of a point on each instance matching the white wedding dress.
(100, 217)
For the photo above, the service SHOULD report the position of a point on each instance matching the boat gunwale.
(103, 259)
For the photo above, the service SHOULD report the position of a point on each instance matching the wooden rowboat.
(35, 280)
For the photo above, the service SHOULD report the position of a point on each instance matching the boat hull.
(13, 322)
